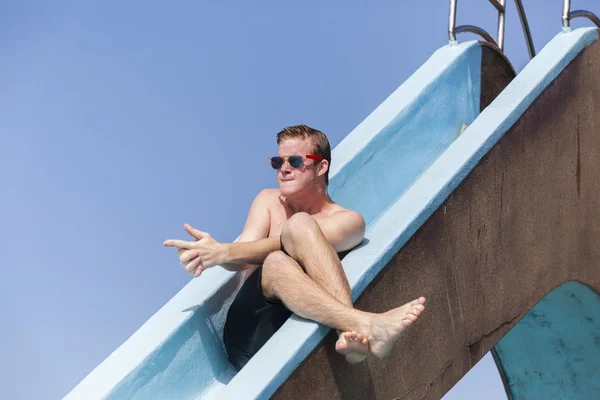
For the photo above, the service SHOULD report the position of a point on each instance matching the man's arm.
(256, 231)
(344, 230)
(206, 252)
(250, 253)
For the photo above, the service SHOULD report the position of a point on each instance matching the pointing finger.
(180, 244)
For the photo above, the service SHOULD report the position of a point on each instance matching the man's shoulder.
(267, 197)
(268, 194)
(350, 225)
(270, 191)
(347, 215)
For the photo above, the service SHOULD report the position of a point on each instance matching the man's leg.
(303, 240)
(282, 278)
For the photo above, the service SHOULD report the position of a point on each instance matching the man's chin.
(286, 189)
(287, 192)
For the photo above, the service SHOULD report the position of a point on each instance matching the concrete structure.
(523, 222)
(483, 251)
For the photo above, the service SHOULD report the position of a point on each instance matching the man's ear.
(323, 167)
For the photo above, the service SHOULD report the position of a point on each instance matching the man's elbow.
(359, 234)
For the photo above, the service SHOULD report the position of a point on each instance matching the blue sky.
(121, 121)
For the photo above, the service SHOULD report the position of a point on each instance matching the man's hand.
(202, 254)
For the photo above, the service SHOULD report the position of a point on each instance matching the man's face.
(294, 180)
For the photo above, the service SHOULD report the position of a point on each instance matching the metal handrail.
(568, 15)
(500, 6)
(475, 29)
(501, 18)
(525, 27)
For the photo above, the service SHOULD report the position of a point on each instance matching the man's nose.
(286, 167)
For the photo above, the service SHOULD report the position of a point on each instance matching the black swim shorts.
(251, 321)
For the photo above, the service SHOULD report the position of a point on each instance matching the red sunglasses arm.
(313, 157)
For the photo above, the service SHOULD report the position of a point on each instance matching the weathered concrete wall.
(525, 220)
(496, 73)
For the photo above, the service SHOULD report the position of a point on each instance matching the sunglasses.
(294, 161)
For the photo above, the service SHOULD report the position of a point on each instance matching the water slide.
(481, 191)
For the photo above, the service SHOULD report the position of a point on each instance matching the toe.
(420, 300)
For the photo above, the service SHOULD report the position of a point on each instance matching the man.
(293, 235)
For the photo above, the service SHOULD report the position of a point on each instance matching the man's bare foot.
(354, 346)
(386, 328)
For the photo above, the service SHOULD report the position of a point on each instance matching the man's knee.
(277, 263)
(275, 258)
(299, 224)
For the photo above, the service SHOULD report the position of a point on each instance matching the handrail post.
(501, 18)
(525, 26)
(452, 22)
(566, 15)
(500, 5)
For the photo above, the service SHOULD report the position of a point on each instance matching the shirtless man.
(294, 234)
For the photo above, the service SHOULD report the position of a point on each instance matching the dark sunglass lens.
(276, 162)
(295, 161)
